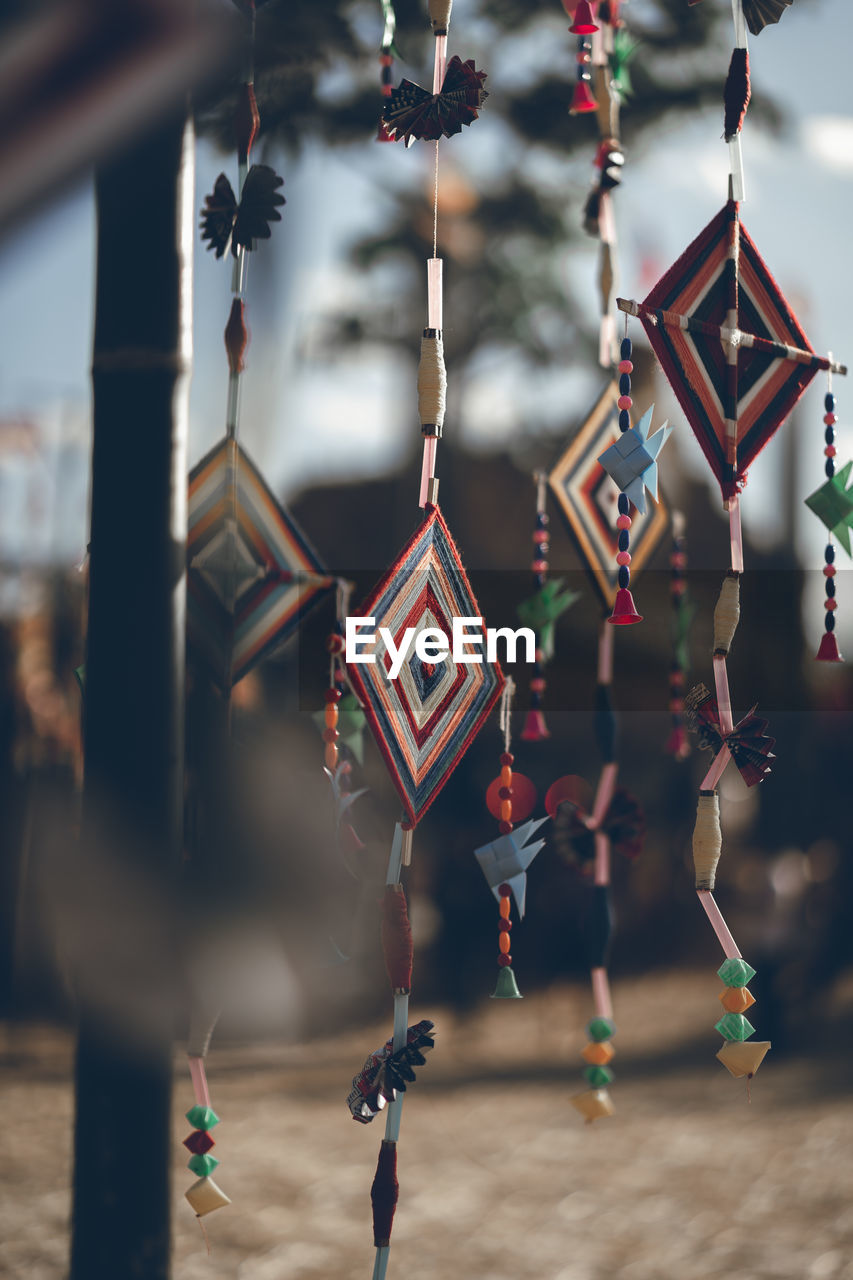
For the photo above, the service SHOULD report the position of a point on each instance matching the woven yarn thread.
(432, 384)
(727, 614)
(707, 841)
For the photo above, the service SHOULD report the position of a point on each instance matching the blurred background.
(280, 925)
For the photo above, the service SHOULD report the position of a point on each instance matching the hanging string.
(505, 713)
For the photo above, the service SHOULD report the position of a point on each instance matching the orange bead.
(504, 908)
(598, 1055)
(503, 943)
(506, 776)
(506, 810)
(331, 715)
(736, 999)
(331, 756)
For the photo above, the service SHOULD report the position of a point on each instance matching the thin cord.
(435, 207)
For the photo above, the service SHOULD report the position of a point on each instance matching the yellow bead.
(503, 943)
(593, 1103)
(504, 908)
(736, 999)
(506, 811)
(598, 1055)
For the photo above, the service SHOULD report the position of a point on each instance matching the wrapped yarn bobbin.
(432, 384)
(727, 613)
(439, 15)
(707, 839)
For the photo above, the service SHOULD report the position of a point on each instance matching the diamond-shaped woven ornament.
(425, 719)
(588, 499)
(251, 572)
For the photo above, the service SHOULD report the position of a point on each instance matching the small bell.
(535, 728)
(382, 134)
(583, 99)
(828, 651)
(506, 987)
(624, 610)
(584, 24)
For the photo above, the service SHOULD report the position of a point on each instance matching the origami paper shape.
(750, 745)
(386, 1073)
(542, 610)
(505, 860)
(730, 345)
(624, 823)
(251, 572)
(760, 13)
(224, 219)
(587, 498)
(412, 112)
(833, 504)
(631, 461)
(425, 720)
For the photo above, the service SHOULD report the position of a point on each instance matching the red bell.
(828, 651)
(582, 99)
(535, 728)
(584, 23)
(624, 610)
(383, 135)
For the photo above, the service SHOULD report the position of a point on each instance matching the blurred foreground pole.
(130, 846)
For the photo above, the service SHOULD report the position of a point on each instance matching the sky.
(298, 415)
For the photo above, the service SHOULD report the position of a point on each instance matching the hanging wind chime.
(426, 717)
(738, 361)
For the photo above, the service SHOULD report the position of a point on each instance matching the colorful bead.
(625, 366)
(507, 758)
(830, 604)
(335, 643)
(506, 810)
(626, 349)
(742, 1058)
(205, 1197)
(504, 960)
(598, 1054)
(736, 999)
(593, 1104)
(624, 402)
(600, 1029)
(537, 685)
(202, 1166)
(830, 419)
(624, 557)
(203, 1117)
(199, 1142)
(829, 402)
(504, 827)
(503, 905)
(330, 756)
(735, 972)
(624, 420)
(624, 504)
(506, 775)
(830, 451)
(734, 1026)
(504, 926)
(829, 570)
(623, 522)
(597, 1076)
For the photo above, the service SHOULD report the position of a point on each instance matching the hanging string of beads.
(386, 64)
(677, 744)
(624, 611)
(828, 648)
(583, 25)
(204, 1196)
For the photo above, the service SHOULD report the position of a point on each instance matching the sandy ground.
(500, 1179)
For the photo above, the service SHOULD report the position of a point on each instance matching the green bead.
(735, 973)
(734, 1026)
(202, 1117)
(202, 1166)
(598, 1077)
(600, 1029)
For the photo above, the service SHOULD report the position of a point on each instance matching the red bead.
(830, 419)
(537, 685)
(504, 961)
(335, 643)
(504, 828)
(624, 557)
(829, 570)
(330, 735)
(332, 695)
(624, 522)
(625, 366)
(678, 560)
(506, 758)
(504, 890)
(505, 793)
(678, 588)
(676, 705)
(540, 535)
(539, 655)
(539, 566)
(830, 605)
(624, 402)
(676, 680)
(199, 1142)
(504, 926)
(830, 451)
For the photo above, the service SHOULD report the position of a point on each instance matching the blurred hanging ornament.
(224, 219)
(748, 742)
(412, 112)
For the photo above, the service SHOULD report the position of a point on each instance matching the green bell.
(506, 987)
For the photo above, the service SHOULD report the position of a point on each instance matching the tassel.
(737, 93)
(535, 728)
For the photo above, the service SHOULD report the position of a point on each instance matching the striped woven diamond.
(251, 572)
(424, 720)
(721, 280)
(588, 499)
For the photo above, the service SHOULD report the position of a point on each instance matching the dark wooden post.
(124, 947)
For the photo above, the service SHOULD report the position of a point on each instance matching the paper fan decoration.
(223, 218)
(729, 344)
(588, 499)
(426, 718)
(251, 572)
(412, 112)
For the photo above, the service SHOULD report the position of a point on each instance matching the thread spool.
(707, 839)
(432, 385)
(727, 613)
(439, 15)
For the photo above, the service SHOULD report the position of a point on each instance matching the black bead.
(540, 579)
(624, 504)
(541, 519)
(829, 435)
(535, 701)
(624, 540)
(829, 402)
(624, 575)
(829, 621)
(624, 384)
(829, 553)
(830, 468)
(625, 349)
(624, 419)
(830, 588)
